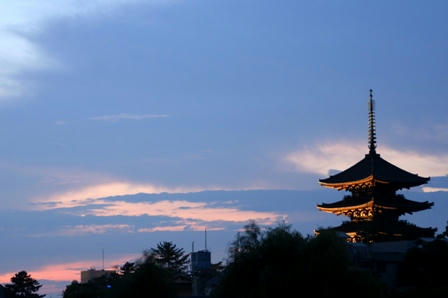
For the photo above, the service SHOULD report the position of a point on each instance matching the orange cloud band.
(65, 271)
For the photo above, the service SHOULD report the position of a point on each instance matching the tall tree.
(167, 255)
(245, 241)
(23, 285)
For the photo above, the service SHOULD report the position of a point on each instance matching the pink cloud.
(184, 210)
(198, 227)
(94, 196)
(64, 271)
(91, 194)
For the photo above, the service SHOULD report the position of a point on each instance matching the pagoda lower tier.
(376, 231)
(367, 208)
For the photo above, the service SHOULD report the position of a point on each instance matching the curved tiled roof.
(398, 203)
(379, 169)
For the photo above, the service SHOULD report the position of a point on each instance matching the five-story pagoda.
(374, 207)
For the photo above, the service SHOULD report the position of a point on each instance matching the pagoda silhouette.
(374, 207)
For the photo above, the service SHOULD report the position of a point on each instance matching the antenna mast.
(205, 238)
(372, 129)
(102, 251)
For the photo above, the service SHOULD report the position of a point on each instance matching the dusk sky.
(128, 122)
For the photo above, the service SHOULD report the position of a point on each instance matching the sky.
(126, 123)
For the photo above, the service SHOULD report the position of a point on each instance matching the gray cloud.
(127, 116)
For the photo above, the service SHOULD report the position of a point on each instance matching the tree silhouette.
(152, 276)
(127, 268)
(168, 256)
(444, 234)
(145, 280)
(423, 271)
(23, 285)
(281, 263)
(246, 241)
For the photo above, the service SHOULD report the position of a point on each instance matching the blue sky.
(218, 111)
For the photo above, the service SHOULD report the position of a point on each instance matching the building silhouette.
(200, 260)
(91, 274)
(373, 206)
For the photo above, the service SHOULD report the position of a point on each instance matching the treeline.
(276, 262)
(280, 262)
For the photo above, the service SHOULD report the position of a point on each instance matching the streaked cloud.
(201, 226)
(181, 228)
(183, 225)
(96, 200)
(86, 195)
(183, 209)
(126, 116)
(93, 194)
(20, 19)
(321, 158)
(96, 229)
(86, 229)
(177, 228)
(434, 189)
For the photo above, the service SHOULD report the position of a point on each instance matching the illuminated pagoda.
(374, 207)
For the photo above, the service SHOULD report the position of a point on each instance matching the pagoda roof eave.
(371, 170)
(342, 209)
(406, 206)
(365, 182)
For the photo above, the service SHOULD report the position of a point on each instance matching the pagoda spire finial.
(372, 129)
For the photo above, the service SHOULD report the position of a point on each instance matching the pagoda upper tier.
(366, 207)
(373, 171)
